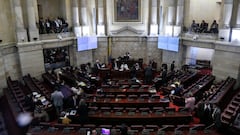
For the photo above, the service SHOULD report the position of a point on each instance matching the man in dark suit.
(172, 66)
(97, 67)
(204, 112)
(148, 74)
(82, 111)
(216, 115)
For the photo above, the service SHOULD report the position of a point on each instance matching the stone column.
(21, 31)
(154, 26)
(32, 28)
(161, 17)
(83, 4)
(238, 16)
(227, 13)
(171, 12)
(76, 24)
(101, 23)
(85, 27)
(180, 12)
(179, 18)
(224, 30)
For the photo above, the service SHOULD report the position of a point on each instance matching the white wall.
(195, 53)
(199, 10)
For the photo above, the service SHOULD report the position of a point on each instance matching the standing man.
(57, 98)
(172, 66)
(97, 67)
(148, 74)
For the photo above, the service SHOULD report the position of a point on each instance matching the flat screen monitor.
(92, 42)
(105, 131)
(82, 43)
(173, 43)
(163, 42)
(168, 43)
(86, 43)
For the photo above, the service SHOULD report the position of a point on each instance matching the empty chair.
(137, 127)
(152, 127)
(125, 86)
(132, 132)
(105, 126)
(235, 103)
(118, 110)
(170, 110)
(146, 131)
(183, 110)
(115, 131)
(143, 97)
(226, 118)
(121, 96)
(237, 98)
(180, 128)
(89, 96)
(110, 96)
(132, 97)
(36, 129)
(229, 112)
(67, 130)
(115, 109)
(135, 86)
(165, 128)
(99, 97)
(52, 129)
(89, 126)
(144, 111)
(131, 111)
(195, 128)
(83, 130)
(105, 110)
(155, 97)
(208, 129)
(159, 112)
(144, 87)
(92, 110)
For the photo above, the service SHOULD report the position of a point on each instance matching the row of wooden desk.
(118, 117)
(116, 74)
(129, 103)
(72, 129)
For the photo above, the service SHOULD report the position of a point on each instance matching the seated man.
(214, 27)
(194, 26)
(203, 26)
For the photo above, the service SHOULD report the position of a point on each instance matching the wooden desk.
(128, 91)
(225, 94)
(114, 102)
(138, 118)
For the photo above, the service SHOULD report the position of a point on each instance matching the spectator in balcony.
(214, 27)
(203, 26)
(194, 26)
(48, 26)
(41, 26)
